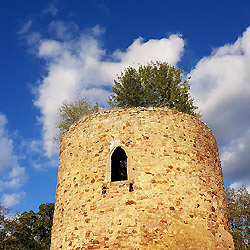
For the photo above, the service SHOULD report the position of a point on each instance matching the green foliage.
(3, 224)
(71, 112)
(44, 224)
(238, 206)
(27, 231)
(156, 84)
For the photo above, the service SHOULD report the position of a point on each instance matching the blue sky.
(53, 50)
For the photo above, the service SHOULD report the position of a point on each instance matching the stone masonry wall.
(178, 200)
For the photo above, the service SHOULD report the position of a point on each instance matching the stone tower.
(140, 178)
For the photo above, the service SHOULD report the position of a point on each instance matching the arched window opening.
(119, 165)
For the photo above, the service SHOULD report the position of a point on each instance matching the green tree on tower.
(156, 84)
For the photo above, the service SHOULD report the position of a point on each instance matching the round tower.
(140, 178)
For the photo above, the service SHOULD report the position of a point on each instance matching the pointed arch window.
(119, 165)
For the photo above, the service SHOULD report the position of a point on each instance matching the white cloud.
(238, 185)
(26, 27)
(6, 148)
(12, 174)
(235, 159)
(9, 200)
(63, 31)
(34, 146)
(50, 49)
(17, 176)
(165, 49)
(220, 84)
(52, 10)
(78, 66)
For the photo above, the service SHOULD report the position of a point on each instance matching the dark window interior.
(131, 188)
(119, 165)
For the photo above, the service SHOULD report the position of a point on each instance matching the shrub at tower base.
(140, 178)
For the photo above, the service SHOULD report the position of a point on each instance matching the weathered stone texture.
(178, 200)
